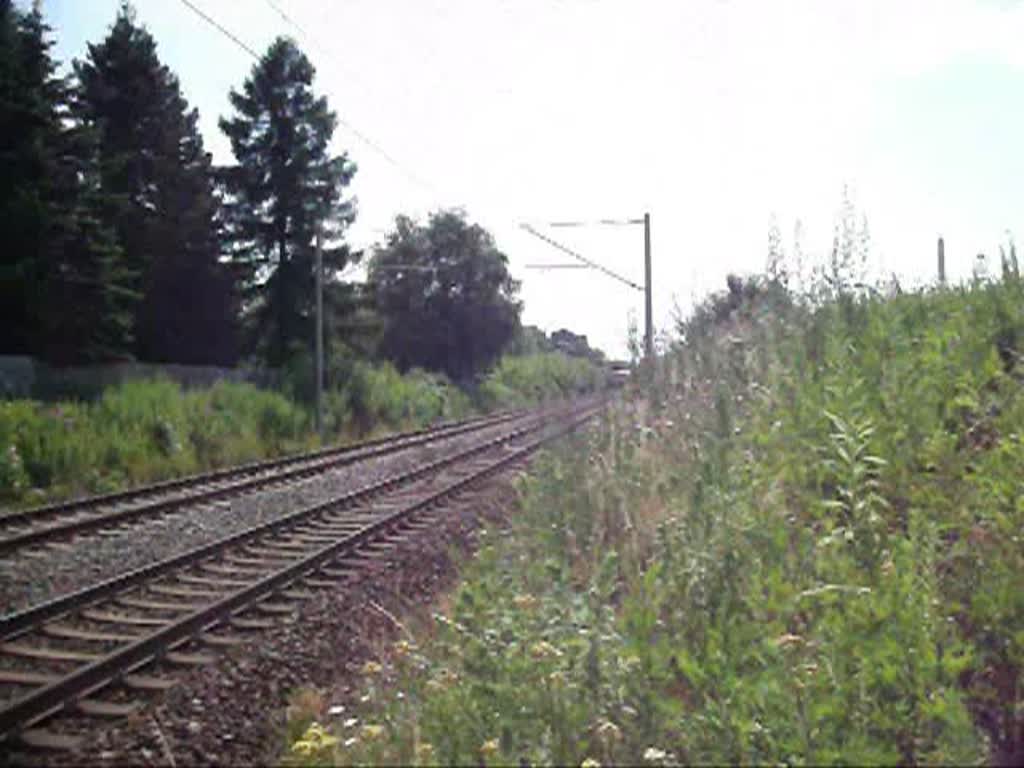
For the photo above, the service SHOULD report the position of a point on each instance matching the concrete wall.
(26, 377)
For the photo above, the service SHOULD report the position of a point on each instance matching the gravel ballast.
(232, 712)
(46, 572)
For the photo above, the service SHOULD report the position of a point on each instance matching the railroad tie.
(107, 617)
(74, 633)
(46, 654)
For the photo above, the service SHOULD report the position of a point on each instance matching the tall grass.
(138, 432)
(144, 431)
(800, 542)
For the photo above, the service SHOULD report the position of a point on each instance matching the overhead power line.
(373, 145)
(413, 177)
(201, 14)
(598, 222)
(558, 266)
(351, 128)
(579, 257)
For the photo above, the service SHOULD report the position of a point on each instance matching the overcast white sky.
(713, 115)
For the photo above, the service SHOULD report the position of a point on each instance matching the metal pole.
(942, 262)
(319, 332)
(648, 305)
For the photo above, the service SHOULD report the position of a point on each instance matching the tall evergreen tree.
(65, 287)
(159, 179)
(285, 181)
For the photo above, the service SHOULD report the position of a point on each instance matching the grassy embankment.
(145, 431)
(801, 543)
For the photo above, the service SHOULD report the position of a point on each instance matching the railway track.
(67, 519)
(94, 653)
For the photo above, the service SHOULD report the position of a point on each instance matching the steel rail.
(343, 457)
(13, 624)
(116, 497)
(51, 698)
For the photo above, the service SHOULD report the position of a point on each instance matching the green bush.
(138, 432)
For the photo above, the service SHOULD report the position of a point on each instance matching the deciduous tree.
(446, 296)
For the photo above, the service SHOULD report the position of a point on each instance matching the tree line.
(122, 239)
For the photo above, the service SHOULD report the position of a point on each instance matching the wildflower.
(590, 762)
(372, 668)
(630, 662)
(544, 650)
(352, 722)
(424, 752)
(314, 741)
(489, 748)
(654, 755)
(557, 678)
(786, 640)
(402, 648)
(609, 731)
(372, 732)
(350, 742)
(524, 602)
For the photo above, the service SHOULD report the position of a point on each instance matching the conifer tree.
(284, 183)
(66, 289)
(158, 180)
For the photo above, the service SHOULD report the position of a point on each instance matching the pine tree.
(29, 95)
(159, 179)
(285, 181)
(68, 285)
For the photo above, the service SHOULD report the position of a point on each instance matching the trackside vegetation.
(143, 431)
(799, 542)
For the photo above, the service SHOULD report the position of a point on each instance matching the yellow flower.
(372, 668)
(786, 640)
(544, 650)
(525, 602)
(373, 732)
(314, 741)
(489, 748)
(629, 662)
(590, 763)
(424, 752)
(402, 649)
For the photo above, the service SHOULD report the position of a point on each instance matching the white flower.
(654, 755)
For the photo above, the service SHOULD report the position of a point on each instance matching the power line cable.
(351, 128)
(415, 178)
(201, 14)
(579, 257)
(383, 153)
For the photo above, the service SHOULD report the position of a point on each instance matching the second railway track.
(82, 653)
(70, 518)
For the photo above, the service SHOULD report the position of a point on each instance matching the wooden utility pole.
(319, 331)
(942, 262)
(648, 303)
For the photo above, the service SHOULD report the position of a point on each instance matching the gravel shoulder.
(43, 573)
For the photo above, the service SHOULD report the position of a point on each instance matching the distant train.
(619, 372)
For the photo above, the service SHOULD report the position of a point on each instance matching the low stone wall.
(17, 376)
(25, 377)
